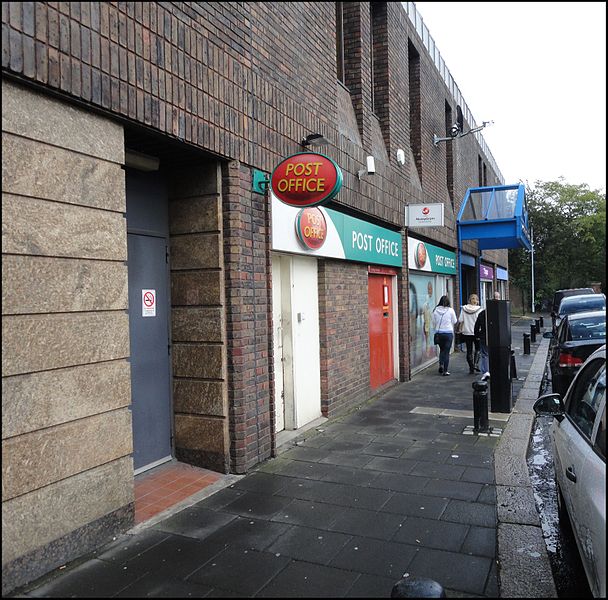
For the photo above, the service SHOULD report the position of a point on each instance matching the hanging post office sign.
(424, 215)
(306, 179)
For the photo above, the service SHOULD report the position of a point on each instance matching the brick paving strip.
(524, 570)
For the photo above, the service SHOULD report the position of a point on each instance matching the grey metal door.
(149, 320)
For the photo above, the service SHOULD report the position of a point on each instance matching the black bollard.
(533, 333)
(480, 406)
(526, 343)
(513, 366)
(414, 587)
(542, 323)
(537, 325)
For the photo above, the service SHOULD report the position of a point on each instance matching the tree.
(569, 228)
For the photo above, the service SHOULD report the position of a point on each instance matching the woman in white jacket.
(444, 319)
(466, 323)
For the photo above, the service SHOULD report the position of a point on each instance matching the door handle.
(570, 474)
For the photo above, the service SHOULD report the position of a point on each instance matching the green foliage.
(569, 228)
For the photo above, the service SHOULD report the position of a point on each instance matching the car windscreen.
(590, 328)
(581, 305)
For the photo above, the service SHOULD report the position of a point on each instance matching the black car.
(577, 337)
(559, 295)
(579, 303)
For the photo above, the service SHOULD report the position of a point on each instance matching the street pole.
(532, 255)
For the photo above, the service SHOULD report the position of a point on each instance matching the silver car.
(578, 440)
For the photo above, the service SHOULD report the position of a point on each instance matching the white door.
(297, 364)
(305, 339)
(277, 333)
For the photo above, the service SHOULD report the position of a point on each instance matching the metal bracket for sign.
(260, 182)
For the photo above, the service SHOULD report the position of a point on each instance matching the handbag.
(436, 336)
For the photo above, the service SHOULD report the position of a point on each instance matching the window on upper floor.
(413, 61)
(340, 67)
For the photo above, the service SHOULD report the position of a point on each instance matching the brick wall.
(245, 81)
(248, 318)
(343, 335)
(198, 334)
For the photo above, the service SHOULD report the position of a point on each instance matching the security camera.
(371, 165)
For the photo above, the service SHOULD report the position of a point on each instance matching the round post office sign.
(306, 179)
(311, 228)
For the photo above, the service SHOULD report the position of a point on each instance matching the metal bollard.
(480, 406)
(533, 333)
(414, 587)
(513, 366)
(526, 343)
(542, 323)
(537, 325)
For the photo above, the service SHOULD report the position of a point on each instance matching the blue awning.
(495, 216)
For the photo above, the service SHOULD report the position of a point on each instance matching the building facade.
(156, 300)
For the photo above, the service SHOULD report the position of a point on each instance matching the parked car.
(579, 303)
(559, 295)
(577, 336)
(578, 441)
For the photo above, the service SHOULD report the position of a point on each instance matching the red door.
(380, 301)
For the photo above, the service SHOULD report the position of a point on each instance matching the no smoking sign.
(148, 303)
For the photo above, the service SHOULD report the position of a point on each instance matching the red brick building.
(156, 304)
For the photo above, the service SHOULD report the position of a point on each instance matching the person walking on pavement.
(444, 319)
(466, 326)
(480, 331)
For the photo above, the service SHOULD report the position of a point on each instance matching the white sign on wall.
(148, 303)
(424, 215)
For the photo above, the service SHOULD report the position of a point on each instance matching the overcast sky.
(538, 70)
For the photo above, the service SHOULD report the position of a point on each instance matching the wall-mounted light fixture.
(314, 139)
(371, 168)
(400, 156)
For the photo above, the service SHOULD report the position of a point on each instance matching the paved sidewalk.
(345, 510)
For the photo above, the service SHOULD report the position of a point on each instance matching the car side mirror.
(548, 335)
(550, 405)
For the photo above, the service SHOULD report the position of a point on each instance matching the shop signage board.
(424, 215)
(423, 256)
(486, 273)
(345, 237)
(306, 179)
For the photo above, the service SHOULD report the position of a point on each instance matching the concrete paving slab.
(516, 505)
(524, 570)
